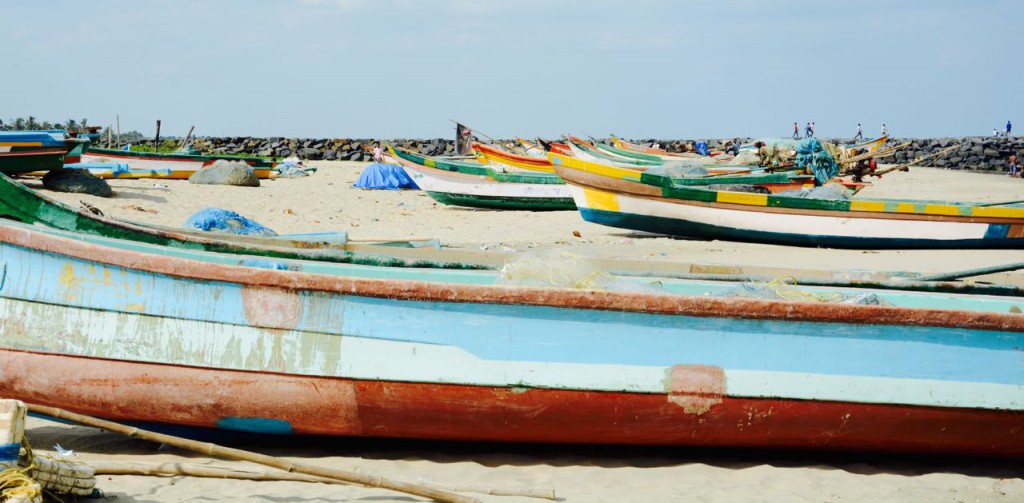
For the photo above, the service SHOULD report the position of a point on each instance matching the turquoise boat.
(146, 333)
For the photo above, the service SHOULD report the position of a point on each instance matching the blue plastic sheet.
(384, 176)
(702, 148)
(221, 220)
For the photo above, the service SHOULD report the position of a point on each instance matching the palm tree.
(31, 123)
(19, 124)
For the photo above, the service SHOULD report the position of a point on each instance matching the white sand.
(325, 202)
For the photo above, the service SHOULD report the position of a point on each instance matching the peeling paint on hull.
(202, 397)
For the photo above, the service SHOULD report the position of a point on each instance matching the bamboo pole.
(187, 138)
(193, 470)
(967, 273)
(263, 459)
(903, 167)
(118, 131)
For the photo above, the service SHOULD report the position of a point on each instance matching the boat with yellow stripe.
(24, 151)
(705, 213)
(496, 155)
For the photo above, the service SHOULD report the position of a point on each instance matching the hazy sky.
(402, 68)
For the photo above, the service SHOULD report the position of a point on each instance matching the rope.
(16, 485)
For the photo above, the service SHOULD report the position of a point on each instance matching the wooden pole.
(110, 134)
(118, 131)
(263, 459)
(187, 137)
(156, 142)
(193, 470)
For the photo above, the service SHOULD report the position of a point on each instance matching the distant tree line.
(31, 124)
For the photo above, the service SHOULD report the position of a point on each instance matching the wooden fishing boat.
(25, 151)
(169, 166)
(21, 203)
(478, 185)
(860, 223)
(651, 183)
(495, 155)
(150, 334)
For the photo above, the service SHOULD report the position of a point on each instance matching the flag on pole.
(463, 140)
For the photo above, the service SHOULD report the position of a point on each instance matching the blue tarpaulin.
(384, 176)
(220, 220)
(702, 148)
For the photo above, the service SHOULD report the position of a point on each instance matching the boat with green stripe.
(689, 211)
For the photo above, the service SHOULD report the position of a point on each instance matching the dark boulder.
(78, 181)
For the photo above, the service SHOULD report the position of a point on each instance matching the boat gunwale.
(416, 290)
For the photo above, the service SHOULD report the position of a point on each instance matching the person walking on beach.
(796, 131)
(1014, 166)
(378, 154)
(808, 132)
(1009, 127)
(860, 133)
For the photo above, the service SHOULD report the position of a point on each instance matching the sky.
(403, 68)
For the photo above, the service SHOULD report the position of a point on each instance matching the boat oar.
(967, 273)
(194, 470)
(254, 457)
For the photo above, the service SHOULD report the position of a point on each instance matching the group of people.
(809, 131)
(1009, 129)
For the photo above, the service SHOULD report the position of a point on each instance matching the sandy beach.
(325, 201)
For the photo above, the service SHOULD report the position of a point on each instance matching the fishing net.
(221, 220)
(745, 158)
(679, 169)
(560, 269)
(814, 158)
(786, 289)
(830, 192)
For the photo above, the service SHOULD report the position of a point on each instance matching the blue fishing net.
(812, 156)
(220, 220)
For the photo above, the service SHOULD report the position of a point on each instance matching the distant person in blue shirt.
(1009, 127)
(808, 131)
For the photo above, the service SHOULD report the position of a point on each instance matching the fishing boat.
(476, 185)
(23, 204)
(652, 182)
(700, 212)
(25, 151)
(495, 155)
(168, 166)
(150, 334)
